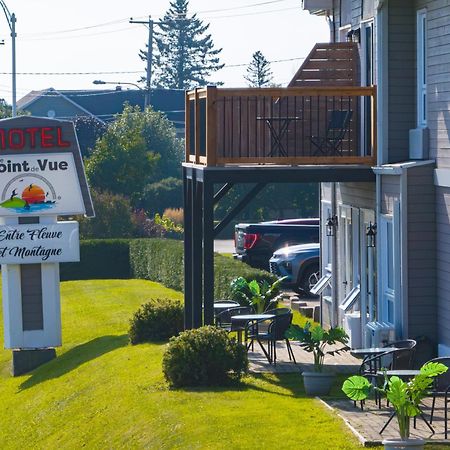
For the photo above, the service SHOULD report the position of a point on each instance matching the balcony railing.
(293, 126)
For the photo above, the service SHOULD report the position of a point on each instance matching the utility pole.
(150, 24)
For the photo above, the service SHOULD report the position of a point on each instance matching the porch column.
(188, 229)
(208, 252)
(197, 260)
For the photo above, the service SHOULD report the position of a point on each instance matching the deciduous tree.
(138, 148)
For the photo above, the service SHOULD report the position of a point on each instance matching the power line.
(36, 36)
(239, 7)
(119, 72)
(71, 30)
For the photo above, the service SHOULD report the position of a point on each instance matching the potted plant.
(404, 396)
(261, 295)
(315, 339)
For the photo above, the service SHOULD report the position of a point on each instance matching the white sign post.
(41, 177)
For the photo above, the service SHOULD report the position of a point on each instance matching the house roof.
(105, 103)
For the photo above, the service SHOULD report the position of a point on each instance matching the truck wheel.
(309, 279)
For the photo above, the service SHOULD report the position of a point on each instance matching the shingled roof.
(104, 104)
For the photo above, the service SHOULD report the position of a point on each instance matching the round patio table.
(371, 351)
(223, 306)
(246, 318)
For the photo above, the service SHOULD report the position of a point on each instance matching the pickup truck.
(255, 243)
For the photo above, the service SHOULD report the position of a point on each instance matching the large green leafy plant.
(261, 295)
(315, 339)
(404, 396)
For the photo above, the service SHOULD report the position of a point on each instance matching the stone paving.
(366, 423)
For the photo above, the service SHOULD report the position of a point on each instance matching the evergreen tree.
(185, 55)
(258, 71)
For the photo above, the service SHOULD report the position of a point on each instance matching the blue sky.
(95, 36)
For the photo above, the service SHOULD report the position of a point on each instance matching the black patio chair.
(223, 319)
(441, 388)
(400, 358)
(331, 143)
(275, 332)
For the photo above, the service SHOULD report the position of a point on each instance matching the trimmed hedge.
(159, 260)
(99, 259)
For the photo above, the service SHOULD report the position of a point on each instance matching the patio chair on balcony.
(330, 144)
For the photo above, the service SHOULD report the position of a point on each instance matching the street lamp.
(11, 19)
(126, 82)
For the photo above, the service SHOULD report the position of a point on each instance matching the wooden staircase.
(333, 64)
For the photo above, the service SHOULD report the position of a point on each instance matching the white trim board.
(442, 177)
(399, 168)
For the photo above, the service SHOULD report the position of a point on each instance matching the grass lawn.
(103, 393)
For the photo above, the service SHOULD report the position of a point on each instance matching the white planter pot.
(318, 383)
(398, 444)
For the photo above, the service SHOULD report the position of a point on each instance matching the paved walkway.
(366, 423)
(342, 363)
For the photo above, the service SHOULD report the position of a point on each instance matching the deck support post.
(197, 252)
(208, 252)
(188, 206)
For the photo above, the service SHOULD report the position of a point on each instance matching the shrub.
(113, 217)
(161, 260)
(157, 320)
(165, 193)
(204, 357)
(99, 259)
(175, 214)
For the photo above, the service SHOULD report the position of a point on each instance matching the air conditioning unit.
(379, 333)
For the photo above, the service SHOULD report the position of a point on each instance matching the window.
(421, 52)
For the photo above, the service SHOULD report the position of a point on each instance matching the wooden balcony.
(283, 126)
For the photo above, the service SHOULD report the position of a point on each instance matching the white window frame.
(421, 76)
(387, 253)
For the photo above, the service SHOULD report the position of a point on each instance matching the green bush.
(204, 357)
(162, 260)
(157, 320)
(165, 193)
(113, 217)
(159, 260)
(99, 259)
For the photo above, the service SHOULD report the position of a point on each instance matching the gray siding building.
(403, 282)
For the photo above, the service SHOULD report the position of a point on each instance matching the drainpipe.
(334, 262)
(382, 27)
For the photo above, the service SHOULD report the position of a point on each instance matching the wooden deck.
(284, 125)
(279, 126)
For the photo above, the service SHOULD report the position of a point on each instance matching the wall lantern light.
(354, 36)
(371, 234)
(332, 223)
